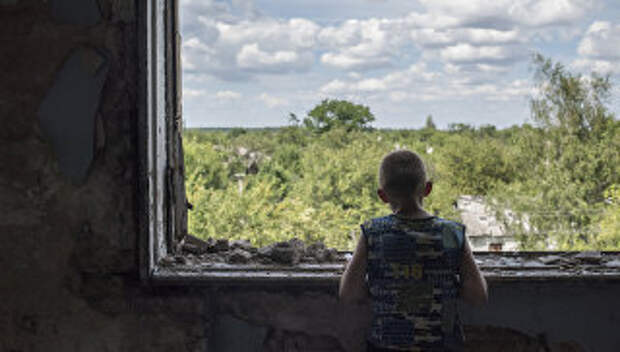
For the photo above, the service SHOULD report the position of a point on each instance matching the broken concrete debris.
(593, 257)
(243, 244)
(295, 251)
(194, 245)
(291, 252)
(221, 245)
(239, 256)
(613, 264)
(550, 259)
(321, 253)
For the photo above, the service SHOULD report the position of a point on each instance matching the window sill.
(496, 267)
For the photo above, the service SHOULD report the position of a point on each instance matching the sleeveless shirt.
(413, 280)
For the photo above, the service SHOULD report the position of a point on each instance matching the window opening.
(288, 110)
(264, 166)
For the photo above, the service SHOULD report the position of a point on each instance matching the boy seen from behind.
(413, 266)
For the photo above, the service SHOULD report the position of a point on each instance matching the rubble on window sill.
(291, 252)
(295, 258)
(548, 265)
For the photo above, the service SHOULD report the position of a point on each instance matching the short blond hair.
(402, 175)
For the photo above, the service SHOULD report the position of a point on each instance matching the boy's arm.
(474, 285)
(352, 283)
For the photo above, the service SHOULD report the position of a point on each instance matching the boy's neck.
(415, 213)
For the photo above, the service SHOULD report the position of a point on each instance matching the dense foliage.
(559, 177)
(334, 113)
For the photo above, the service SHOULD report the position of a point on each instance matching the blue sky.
(251, 62)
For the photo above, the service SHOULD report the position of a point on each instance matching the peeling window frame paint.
(162, 210)
(163, 204)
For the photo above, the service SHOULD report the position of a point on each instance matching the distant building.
(485, 231)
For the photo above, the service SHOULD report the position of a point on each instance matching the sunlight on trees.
(316, 179)
(333, 113)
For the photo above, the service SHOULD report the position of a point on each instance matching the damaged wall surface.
(68, 219)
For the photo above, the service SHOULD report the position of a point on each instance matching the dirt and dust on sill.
(197, 255)
(241, 252)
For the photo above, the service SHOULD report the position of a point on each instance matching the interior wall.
(69, 279)
(68, 252)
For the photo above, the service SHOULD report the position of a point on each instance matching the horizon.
(372, 128)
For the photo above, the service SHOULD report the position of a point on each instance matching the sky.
(249, 63)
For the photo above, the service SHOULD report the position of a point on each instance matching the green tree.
(429, 124)
(476, 166)
(574, 159)
(293, 120)
(609, 237)
(331, 113)
(460, 127)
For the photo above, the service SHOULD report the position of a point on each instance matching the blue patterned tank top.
(412, 273)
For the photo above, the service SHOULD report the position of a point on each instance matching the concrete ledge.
(504, 266)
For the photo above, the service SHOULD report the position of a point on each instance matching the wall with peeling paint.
(68, 252)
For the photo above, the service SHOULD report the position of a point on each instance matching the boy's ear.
(381, 193)
(428, 188)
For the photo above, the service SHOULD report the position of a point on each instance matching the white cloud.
(234, 42)
(431, 37)
(296, 33)
(334, 87)
(228, 95)
(599, 49)
(237, 48)
(464, 53)
(601, 41)
(272, 101)
(348, 61)
(600, 66)
(371, 85)
(550, 12)
(192, 10)
(516, 89)
(419, 83)
(197, 55)
(416, 73)
(363, 44)
(194, 43)
(397, 96)
(509, 13)
(488, 36)
(348, 33)
(252, 57)
(491, 68)
(192, 93)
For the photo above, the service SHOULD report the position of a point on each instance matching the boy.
(413, 266)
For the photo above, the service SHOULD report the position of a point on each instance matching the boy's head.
(402, 180)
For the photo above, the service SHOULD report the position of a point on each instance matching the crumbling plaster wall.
(68, 101)
(68, 251)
